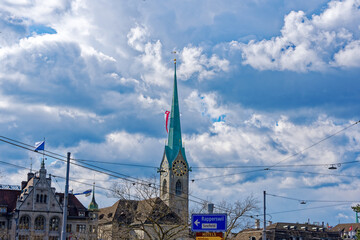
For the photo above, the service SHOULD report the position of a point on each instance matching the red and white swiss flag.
(167, 113)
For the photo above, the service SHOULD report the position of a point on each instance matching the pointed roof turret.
(93, 205)
(174, 144)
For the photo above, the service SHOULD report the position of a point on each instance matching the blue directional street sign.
(209, 222)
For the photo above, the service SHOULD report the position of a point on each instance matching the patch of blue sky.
(220, 118)
(39, 29)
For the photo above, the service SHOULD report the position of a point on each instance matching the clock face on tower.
(179, 168)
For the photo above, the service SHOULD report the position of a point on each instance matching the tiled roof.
(8, 198)
(74, 205)
(345, 227)
(282, 225)
(137, 212)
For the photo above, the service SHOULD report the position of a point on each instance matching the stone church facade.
(35, 212)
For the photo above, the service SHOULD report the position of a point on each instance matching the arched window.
(54, 224)
(164, 187)
(178, 188)
(24, 222)
(37, 197)
(39, 223)
(45, 198)
(41, 198)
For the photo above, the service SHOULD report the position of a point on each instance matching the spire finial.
(174, 52)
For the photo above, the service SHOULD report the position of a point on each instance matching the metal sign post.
(66, 195)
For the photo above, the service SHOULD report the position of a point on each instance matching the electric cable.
(123, 176)
(314, 173)
(308, 200)
(226, 175)
(304, 209)
(316, 143)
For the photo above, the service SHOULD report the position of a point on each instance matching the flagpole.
(44, 153)
(63, 231)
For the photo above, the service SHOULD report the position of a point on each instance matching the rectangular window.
(81, 228)
(2, 224)
(23, 237)
(92, 229)
(68, 228)
(3, 209)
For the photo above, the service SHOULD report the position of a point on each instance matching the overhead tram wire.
(279, 166)
(226, 175)
(85, 160)
(122, 176)
(275, 170)
(267, 167)
(311, 208)
(115, 163)
(314, 173)
(46, 153)
(309, 200)
(88, 184)
(293, 155)
(317, 143)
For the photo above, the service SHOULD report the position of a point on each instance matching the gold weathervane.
(174, 52)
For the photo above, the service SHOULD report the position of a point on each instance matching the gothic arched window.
(178, 188)
(39, 223)
(54, 224)
(164, 187)
(24, 222)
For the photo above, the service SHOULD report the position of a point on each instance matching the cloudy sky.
(260, 84)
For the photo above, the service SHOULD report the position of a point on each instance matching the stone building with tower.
(174, 168)
(164, 217)
(35, 212)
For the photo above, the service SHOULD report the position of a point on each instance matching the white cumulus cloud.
(309, 43)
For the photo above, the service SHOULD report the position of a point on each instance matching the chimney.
(30, 175)
(257, 223)
(23, 184)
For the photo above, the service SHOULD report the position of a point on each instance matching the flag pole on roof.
(40, 146)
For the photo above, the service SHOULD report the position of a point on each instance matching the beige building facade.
(35, 212)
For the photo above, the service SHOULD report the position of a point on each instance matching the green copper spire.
(174, 140)
(93, 205)
(174, 145)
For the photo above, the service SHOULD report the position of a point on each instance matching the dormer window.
(82, 214)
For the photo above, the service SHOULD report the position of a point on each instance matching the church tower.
(174, 168)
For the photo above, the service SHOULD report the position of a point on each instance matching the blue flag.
(87, 193)
(40, 146)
